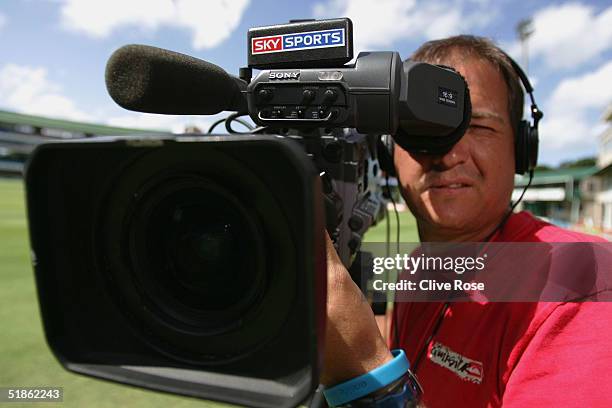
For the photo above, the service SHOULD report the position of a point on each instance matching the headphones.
(526, 139)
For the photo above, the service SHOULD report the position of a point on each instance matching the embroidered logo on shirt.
(465, 368)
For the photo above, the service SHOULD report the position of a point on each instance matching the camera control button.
(265, 94)
(355, 223)
(308, 95)
(330, 95)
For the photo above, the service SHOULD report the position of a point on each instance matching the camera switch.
(355, 222)
(330, 96)
(265, 94)
(308, 95)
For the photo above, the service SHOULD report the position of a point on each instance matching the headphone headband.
(536, 113)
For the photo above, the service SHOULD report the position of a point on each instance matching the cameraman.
(525, 354)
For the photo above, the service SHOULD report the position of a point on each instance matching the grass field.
(408, 229)
(25, 359)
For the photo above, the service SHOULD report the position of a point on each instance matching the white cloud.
(28, 89)
(379, 26)
(568, 35)
(210, 22)
(590, 90)
(2, 20)
(568, 126)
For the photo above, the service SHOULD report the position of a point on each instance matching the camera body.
(359, 97)
(195, 264)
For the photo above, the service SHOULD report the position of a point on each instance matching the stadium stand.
(20, 134)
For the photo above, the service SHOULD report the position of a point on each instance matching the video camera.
(195, 264)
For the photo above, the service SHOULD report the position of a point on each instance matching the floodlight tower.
(524, 29)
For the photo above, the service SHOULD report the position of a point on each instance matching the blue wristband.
(369, 382)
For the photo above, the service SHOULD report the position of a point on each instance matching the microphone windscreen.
(149, 79)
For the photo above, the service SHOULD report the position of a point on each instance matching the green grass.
(408, 229)
(25, 359)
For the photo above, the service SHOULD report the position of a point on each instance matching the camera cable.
(235, 117)
(218, 122)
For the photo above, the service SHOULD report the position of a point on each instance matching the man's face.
(466, 191)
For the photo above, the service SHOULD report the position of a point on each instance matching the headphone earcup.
(521, 148)
(533, 144)
(384, 147)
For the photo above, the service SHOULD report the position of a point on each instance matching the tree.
(584, 162)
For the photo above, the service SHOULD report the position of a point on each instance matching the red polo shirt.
(512, 354)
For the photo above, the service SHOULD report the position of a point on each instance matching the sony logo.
(284, 75)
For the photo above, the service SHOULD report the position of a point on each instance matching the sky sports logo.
(298, 41)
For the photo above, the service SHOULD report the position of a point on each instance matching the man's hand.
(353, 344)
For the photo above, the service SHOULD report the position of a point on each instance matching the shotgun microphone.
(149, 79)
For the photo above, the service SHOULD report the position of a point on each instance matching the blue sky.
(53, 52)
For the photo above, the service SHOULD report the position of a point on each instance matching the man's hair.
(469, 46)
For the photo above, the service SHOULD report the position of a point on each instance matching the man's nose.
(457, 155)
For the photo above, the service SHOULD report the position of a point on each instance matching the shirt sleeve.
(568, 362)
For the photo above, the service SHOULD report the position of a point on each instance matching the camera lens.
(201, 240)
(196, 251)
(201, 255)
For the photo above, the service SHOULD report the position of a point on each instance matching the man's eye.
(481, 128)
